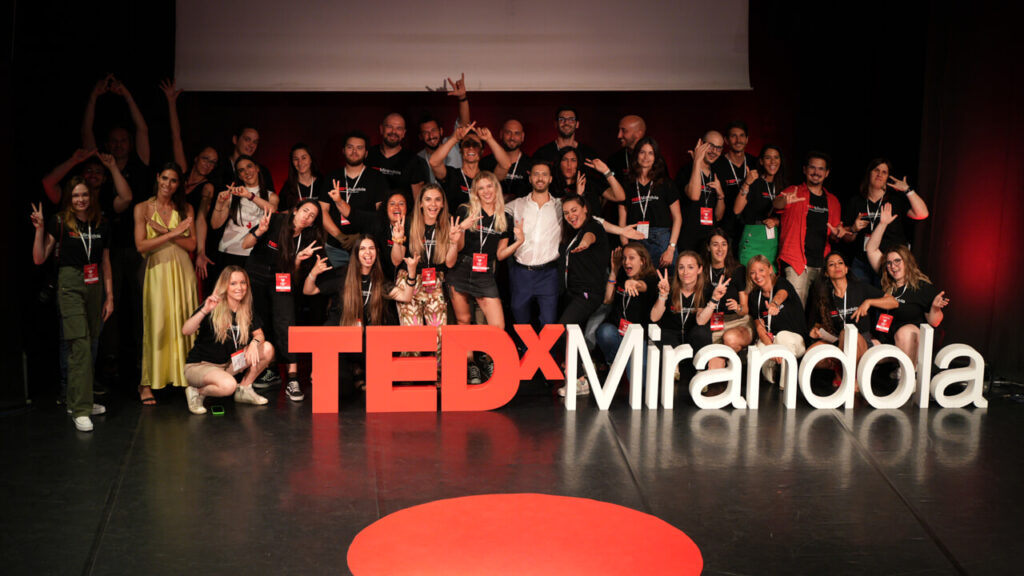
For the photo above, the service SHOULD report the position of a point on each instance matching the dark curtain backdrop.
(849, 81)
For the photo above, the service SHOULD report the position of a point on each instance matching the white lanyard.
(234, 334)
(733, 168)
(298, 243)
(483, 238)
(711, 272)
(87, 247)
(464, 180)
(512, 173)
(349, 187)
(771, 189)
(625, 299)
(770, 296)
(643, 203)
(901, 293)
(429, 246)
(682, 318)
(298, 188)
(872, 217)
(704, 187)
(568, 252)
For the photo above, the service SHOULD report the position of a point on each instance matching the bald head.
(512, 134)
(631, 129)
(392, 130)
(716, 141)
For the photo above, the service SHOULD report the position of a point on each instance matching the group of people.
(729, 251)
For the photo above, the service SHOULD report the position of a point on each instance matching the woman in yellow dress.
(165, 234)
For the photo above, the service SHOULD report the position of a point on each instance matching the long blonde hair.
(417, 230)
(759, 259)
(911, 273)
(221, 316)
(476, 209)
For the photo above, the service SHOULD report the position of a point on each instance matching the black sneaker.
(488, 366)
(267, 379)
(473, 374)
(293, 392)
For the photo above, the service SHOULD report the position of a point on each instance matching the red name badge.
(623, 324)
(284, 282)
(884, 323)
(238, 361)
(717, 321)
(706, 216)
(479, 262)
(644, 228)
(429, 277)
(91, 273)
(344, 221)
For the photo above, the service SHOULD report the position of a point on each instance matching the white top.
(249, 215)
(542, 228)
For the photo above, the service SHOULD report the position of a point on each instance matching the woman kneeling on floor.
(230, 341)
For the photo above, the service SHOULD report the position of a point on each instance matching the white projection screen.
(501, 45)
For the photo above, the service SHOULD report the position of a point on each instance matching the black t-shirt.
(737, 284)
(759, 202)
(693, 230)
(265, 259)
(485, 232)
(840, 310)
(362, 193)
(637, 310)
(731, 176)
(71, 247)
(431, 238)
(679, 311)
(517, 182)
(791, 311)
(593, 191)
(914, 304)
(587, 271)
(373, 223)
(650, 202)
(331, 283)
(816, 234)
(206, 347)
(551, 152)
(289, 199)
(456, 187)
(860, 207)
(401, 170)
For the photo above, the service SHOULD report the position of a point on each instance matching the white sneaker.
(83, 423)
(195, 400)
(582, 387)
(768, 371)
(246, 395)
(97, 409)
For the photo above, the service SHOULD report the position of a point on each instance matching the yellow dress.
(168, 299)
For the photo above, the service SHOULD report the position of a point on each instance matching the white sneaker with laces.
(83, 423)
(582, 387)
(246, 395)
(195, 400)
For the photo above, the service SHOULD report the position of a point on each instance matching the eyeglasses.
(566, 119)
(894, 262)
(716, 148)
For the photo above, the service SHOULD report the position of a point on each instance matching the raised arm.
(42, 246)
(51, 182)
(694, 186)
(123, 200)
(437, 157)
(504, 162)
(89, 117)
(614, 192)
(141, 129)
(171, 93)
(873, 247)
(459, 91)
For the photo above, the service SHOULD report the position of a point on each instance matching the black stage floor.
(275, 490)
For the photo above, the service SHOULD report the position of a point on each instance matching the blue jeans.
(656, 243)
(608, 340)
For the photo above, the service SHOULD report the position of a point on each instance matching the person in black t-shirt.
(861, 215)
(631, 129)
(686, 303)
(566, 123)
(515, 180)
(282, 248)
(652, 203)
(82, 238)
(570, 179)
(918, 299)
(630, 290)
(303, 173)
(733, 167)
(841, 300)
(778, 312)
(230, 341)
(458, 181)
(703, 196)
(730, 323)
(399, 166)
(754, 206)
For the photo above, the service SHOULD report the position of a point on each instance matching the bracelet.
(463, 99)
(662, 296)
(253, 197)
(611, 281)
(609, 174)
(910, 191)
(713, 301)
(672, 244)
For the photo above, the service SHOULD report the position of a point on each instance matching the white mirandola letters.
(661, 364)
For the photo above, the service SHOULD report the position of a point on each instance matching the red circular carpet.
(522, 534)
